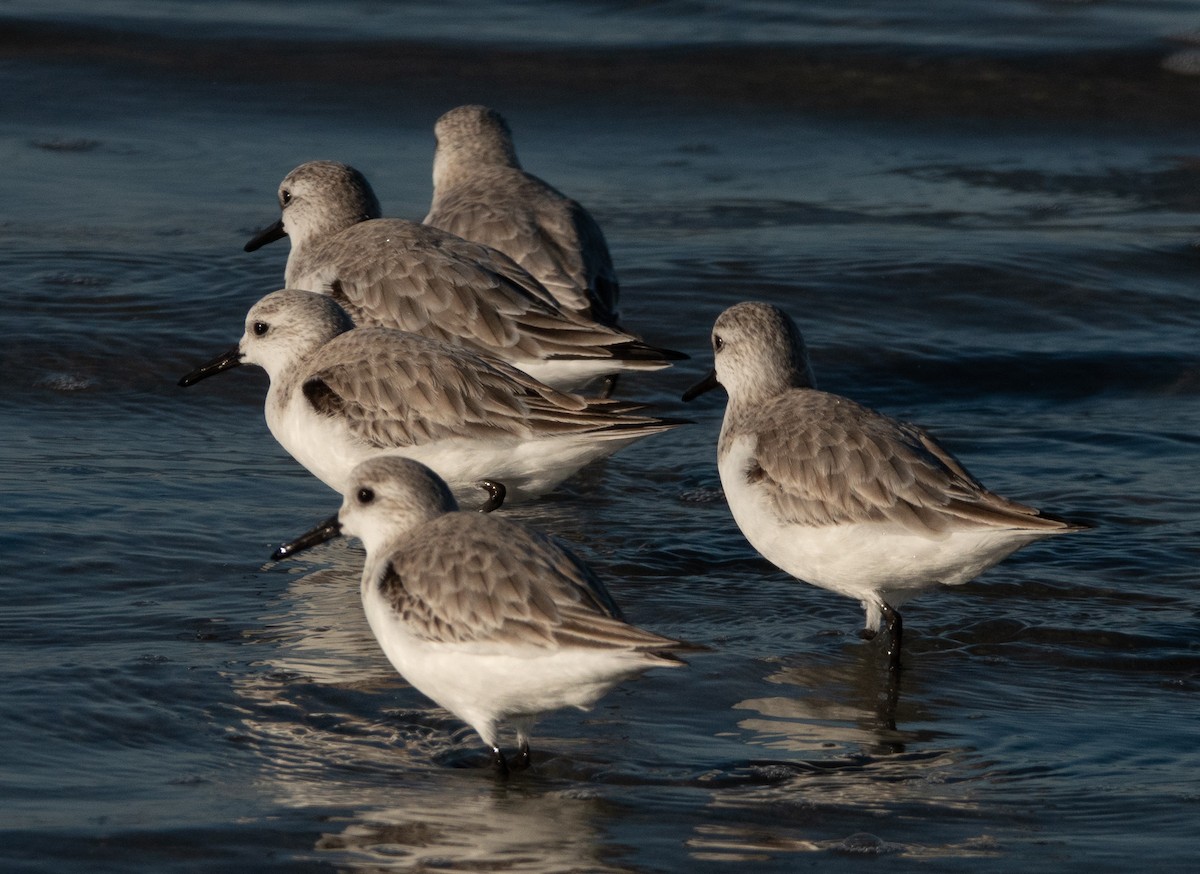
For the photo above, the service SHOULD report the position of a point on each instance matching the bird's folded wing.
(847, 463)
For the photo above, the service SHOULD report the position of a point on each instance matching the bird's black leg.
(496, 495)
(890, 700)
(523, 760)
(499, 763)
(895, 627)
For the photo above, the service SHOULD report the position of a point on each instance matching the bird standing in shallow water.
(493, 621)
(842, 496)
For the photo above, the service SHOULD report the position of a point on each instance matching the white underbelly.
(860, 559)
(527, 468)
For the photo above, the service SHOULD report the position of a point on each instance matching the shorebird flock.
(473, 356)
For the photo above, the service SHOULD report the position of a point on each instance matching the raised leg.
(496, 495)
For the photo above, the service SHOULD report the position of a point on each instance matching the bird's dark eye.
(366, 495)
(261, 328)
(285, 197)
(718, 343)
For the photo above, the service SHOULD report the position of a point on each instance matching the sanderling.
(481, 193)
(400, 274)
(490, 619)
(842, 496)
(341, 394)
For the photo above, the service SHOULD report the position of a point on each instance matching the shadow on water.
(475, 826)
(850, 704)
(396, 783)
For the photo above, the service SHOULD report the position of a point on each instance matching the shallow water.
(983, 215)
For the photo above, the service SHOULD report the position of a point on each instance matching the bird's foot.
(523, 759)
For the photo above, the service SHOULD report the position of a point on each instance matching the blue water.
(982, 214)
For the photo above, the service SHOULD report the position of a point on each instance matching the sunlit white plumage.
(481, 193)
(840, 495)
(400, 274)
(340, 395)
(492, 620)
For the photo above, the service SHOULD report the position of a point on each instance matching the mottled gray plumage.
(469, 577)
(400, 274)
(825, 459)
(398, 389)
(481, 192)
(852, 464)
(842, 496)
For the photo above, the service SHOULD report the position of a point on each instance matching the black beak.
(327, 530)
(226, 360)
(707, 384)
(266, 235)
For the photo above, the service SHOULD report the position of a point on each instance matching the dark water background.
(983, 215)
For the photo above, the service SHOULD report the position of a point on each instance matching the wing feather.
(469, 578)
(825, 460)
(399, 274)
(395, 389)
(548, 234)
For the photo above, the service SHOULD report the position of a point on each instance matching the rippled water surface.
(984, 217)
